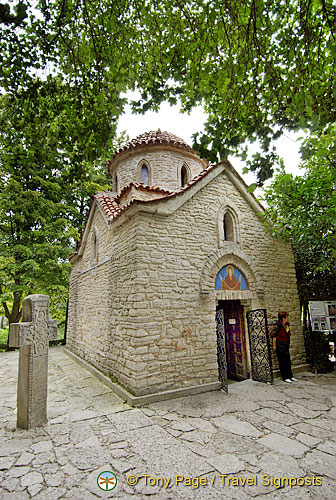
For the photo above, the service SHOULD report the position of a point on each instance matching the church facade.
(175, 249)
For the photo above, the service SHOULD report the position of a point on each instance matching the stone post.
(32, 336)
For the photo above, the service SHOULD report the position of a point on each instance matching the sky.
(169, 119)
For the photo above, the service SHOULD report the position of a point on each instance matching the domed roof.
(156, 137)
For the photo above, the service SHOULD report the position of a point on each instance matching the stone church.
(175, 277)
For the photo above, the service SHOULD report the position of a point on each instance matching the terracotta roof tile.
(155, 137)
(143, 187)
(108, 204)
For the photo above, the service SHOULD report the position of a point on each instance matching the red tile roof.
(143, 187)
(109, 203)
(155, 137)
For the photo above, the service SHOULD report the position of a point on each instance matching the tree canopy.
(303, 211)
(258, 67)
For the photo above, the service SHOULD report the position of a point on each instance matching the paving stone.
(202, 424)
(328, 447)
(312, 430)
(320, 463)
(43, 458)
(144, 440)
(11, 484)
(178, 459)
(88, 458)
(48, 468)
(277, 465)
(17, 472)
(303, 411)
(225, 442)
(119, 453)
(180, 425)
(80, 432)
(309, 441)
(41, 447)
(25, 459)
(21, 495)
(283, 445)
(325, 423)
(6, 462)
(50, 494)
(77, 494)
(122, 466)
(133, 419)
(174, 432)
(284, 430)
(232, 424)
(275, 416)
(197, 437)
(31, 478)
(75, 416)
(226, 463)
(14, 446)
(54, 479)
(201, 450)
(34, 489)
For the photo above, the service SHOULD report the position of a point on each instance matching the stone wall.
(155, 330)
(165, 165)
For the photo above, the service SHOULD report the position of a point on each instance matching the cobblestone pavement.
(266, 435)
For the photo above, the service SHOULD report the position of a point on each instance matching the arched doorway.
(232, 314)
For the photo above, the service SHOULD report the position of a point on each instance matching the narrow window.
(228, 227)
(116, 183)
(144, 174)
(184, 176)
(94, 246)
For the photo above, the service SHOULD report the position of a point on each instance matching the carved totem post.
(32, 336)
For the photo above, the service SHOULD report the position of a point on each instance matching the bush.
(318, 351)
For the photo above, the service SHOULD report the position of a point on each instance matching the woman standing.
(282, 336)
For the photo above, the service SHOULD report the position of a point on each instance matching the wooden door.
(235, 340)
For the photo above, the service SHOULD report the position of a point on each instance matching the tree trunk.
(15, 315)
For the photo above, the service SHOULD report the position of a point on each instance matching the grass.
(3, 335)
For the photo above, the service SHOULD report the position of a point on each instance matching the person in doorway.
(282, 336)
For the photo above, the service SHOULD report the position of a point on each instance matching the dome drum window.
(184, 175)
(144, 174)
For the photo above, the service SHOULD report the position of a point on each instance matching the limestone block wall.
(165, 165)
(99, 324)
(138, 312)
(175, 343)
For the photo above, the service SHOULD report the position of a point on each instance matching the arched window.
(184, 175)
(116, 183)
(228, 227)
(94, 246)
(144, 174)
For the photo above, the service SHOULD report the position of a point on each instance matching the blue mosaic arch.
(230, 278)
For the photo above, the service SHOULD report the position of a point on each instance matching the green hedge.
(318, 351)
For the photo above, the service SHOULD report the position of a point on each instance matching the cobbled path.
(265, 435)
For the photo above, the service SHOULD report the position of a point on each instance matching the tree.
(258, 67)
(303, 210)
(48, 171)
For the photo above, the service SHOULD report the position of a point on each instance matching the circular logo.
(107, 480)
